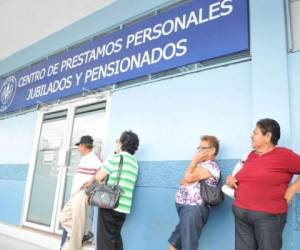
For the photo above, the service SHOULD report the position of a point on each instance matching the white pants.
(73, 219)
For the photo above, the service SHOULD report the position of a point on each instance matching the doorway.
(55, 158)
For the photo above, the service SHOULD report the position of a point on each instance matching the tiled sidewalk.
(22, 238)
(7, 243)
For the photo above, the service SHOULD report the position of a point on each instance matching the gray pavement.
(7, 243)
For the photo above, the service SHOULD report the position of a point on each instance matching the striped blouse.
(127, 179)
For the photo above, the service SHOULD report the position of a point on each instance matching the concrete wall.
(169, 121)
(17, 137)
(16, 134)
(294, 86)
(12, 186)
(174, 113)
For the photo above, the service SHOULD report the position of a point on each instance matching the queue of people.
(91, 171)
(261, 187)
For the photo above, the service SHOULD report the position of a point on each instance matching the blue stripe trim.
(168, 173)
(151, 173)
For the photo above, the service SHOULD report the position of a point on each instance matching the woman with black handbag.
(110, 221)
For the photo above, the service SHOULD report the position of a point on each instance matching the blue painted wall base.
(153, 216)
(12, 188)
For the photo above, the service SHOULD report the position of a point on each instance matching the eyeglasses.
(202, 148)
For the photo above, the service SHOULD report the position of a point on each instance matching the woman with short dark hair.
(262, 190)
(129, 142)
(110, 221)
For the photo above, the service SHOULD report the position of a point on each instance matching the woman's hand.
(290, 193)
(200, 156)
(231, 181)
(87, 184)
(292, 190)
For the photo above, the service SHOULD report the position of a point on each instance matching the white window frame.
(289, 27)
(70, 106)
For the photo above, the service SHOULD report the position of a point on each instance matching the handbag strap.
(218, 183)
(120, 169)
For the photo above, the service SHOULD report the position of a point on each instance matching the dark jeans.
(109, 227)
(258, 230)
(191, 221)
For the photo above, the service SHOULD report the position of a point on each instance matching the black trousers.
(258, 230)
(109, 227)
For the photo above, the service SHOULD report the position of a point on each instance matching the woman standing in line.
(262, 190)
(192, 211)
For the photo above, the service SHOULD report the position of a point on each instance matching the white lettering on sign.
(194, 18)
(52, 87)
(170, 51)
(162, 39)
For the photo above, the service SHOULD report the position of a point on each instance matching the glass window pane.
(44, 183)
(295, 23)
(52, 135)
(85, 123)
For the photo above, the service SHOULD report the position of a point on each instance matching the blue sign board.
(192, 32)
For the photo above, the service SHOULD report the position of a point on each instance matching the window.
(294, 20)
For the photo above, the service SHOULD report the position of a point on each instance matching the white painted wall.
(24, 22)
(16, 135)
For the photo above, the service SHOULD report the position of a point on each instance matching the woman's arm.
(200, 156)
(292, 190)
(100, 175)
(231, 181)
(88, 183)
(199, 173)
(194, 173)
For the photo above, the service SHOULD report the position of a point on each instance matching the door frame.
(70, 106)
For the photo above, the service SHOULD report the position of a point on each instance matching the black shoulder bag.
(212, 195)
(106, 196)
